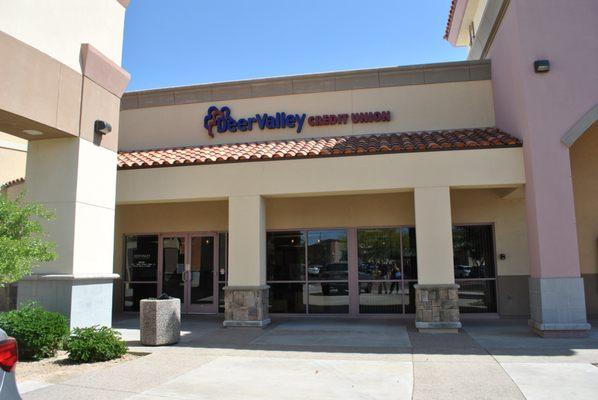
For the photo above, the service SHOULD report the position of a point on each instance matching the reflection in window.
(287, 298)
(328, 297)
(134, 292)
(475, 269)
(379, 254)
(141, 258)
(473, 252)
(409, 253)
(141, 272)
(285, 256)
(327, 255)
(387, 270)
(173, 267)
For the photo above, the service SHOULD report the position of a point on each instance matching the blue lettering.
(300, 121)
(261, 120)
(242, 124)
(221, 125)
(290, 120)
(250, 122)
(271, 123)
(232, 125)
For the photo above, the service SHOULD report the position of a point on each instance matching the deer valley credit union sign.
(220, 120)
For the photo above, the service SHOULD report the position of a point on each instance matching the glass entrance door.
(187, 270)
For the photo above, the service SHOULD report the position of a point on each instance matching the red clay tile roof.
(319, 147)
(449, 21)
(13, 182)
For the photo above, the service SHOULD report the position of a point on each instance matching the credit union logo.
(222, 121)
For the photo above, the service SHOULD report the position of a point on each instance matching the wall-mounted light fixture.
(102, 127)
(541, 66)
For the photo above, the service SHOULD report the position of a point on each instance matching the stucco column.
(246, 296)
(436, 295)
(77, 179)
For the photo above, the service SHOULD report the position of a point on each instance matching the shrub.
(97, 343)
(39, 333)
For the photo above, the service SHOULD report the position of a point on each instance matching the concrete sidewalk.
(344, 359)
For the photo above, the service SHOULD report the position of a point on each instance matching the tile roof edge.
(12, 182)
(308, 157)
(201, 146)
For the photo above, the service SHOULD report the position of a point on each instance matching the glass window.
(173, 283)
(473, 252)
(134, 292)
(328, 297)
(477, 296)
(474, 266)
(141, 270)
(222, 256)
(379, 254)
(387, 260)
(409, 253)
(327, 255)
(141, 258)
(285, 256)
(287, 298)
(381, 297)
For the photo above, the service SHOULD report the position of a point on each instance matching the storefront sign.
(221, 119)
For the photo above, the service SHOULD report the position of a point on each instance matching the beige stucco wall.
(584, 167)
(12, 164)
(387, 209)
(58, 27)
(319, 176)
(415, 107)
(13, 157)
(372, 210)
(208, 216)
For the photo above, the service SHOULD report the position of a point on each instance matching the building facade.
(428, 192)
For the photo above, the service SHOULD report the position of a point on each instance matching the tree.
(23, 241)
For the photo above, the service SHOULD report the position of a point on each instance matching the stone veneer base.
(246, 306)
(437, 308)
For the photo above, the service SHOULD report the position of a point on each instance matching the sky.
(186, 42)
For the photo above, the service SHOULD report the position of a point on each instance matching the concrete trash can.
(160, 321)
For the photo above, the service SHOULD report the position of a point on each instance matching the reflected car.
(334, 272)
(8, 361)
(337, 272)
(462, 271)
(314, 269)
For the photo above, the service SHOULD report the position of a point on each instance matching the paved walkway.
(344, 359)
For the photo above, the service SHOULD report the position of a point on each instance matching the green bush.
(39, 333)
(97, 343)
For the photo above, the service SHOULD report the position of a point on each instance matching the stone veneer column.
(436, 295)
(246, 294)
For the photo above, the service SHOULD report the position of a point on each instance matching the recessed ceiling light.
(32, 132)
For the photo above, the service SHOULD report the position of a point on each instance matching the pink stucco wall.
(540, 108)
